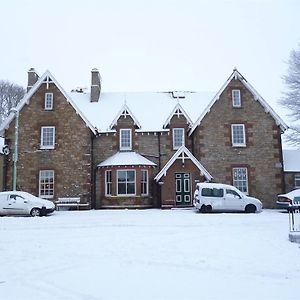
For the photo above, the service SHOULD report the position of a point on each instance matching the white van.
(210, 197)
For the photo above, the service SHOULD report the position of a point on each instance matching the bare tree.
(291, 98)
(10, 96)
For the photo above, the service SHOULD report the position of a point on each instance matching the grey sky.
(150, 45)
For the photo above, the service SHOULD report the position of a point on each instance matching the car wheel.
(202, 209)
(35, 212)
(250, 208)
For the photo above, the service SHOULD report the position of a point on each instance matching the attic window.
(48, 101)
(125, 139)
(236, 98)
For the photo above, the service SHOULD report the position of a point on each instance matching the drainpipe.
(15, 154)
(93, 174)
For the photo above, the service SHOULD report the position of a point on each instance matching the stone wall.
(262, 154)
(71, 158)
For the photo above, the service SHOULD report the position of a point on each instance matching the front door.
(183, 188)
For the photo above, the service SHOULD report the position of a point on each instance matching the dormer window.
(178, 138)
(125, 139)
(48, 101)
(236, 98)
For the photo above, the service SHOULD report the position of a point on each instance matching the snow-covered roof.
(291, 160)
(129, 158)
(183, 153)
(257, 97)
(47, 78)
(149, 110)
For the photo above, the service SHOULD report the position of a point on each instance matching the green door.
(183, 188)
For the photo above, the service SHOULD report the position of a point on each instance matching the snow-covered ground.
(148, 254)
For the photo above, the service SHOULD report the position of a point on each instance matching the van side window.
(212, 192)
(233, 194)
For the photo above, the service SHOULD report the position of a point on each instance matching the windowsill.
(47, 197)
(239, 146)
(47, 148)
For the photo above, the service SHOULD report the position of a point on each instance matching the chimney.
(32, 78)
(96, 86)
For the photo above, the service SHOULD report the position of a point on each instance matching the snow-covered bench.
(69, 202)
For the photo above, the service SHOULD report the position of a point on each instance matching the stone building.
(143, 149)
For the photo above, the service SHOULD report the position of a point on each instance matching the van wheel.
(35, 212)
(208, 209)
(250, 208)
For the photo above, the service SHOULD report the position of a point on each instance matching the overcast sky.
(143, 45)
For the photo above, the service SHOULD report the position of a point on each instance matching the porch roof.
(183, 153)
(128, 158)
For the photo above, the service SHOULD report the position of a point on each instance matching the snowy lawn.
(148, 254)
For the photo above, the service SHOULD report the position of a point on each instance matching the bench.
(69, 202)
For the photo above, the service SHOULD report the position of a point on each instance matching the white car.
(23, 203)
(210, 197)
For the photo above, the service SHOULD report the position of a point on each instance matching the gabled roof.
(177, 111)
(129, 158)
(257, 97)
(183, 153)
(291, 160)
(151, 110)
(125, 111)
(46, 78)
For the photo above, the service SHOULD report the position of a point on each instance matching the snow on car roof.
(291, 160)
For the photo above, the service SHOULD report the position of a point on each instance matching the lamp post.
(15, 154)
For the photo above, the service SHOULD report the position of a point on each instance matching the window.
(48, 101)
(212, 192)
(238, 135)
(126, 182)
(47, 137)
(144, 182)
(108, 182)
(125, 139)
(297, 181)
(233, 194)
(240, 179)
(46, 184)
(236, 98)
(178, 138)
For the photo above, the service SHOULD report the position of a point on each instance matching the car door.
(17, 205)
(233, 201)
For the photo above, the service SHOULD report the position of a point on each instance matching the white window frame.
(126, 182)
(108, 183)
(236, 98)
(122, 146)
(50, 145)
(49, 101)
(297, 181)
(241, 183)
(233, 137)
(144, 183)
(177, 145)
(47, 193)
